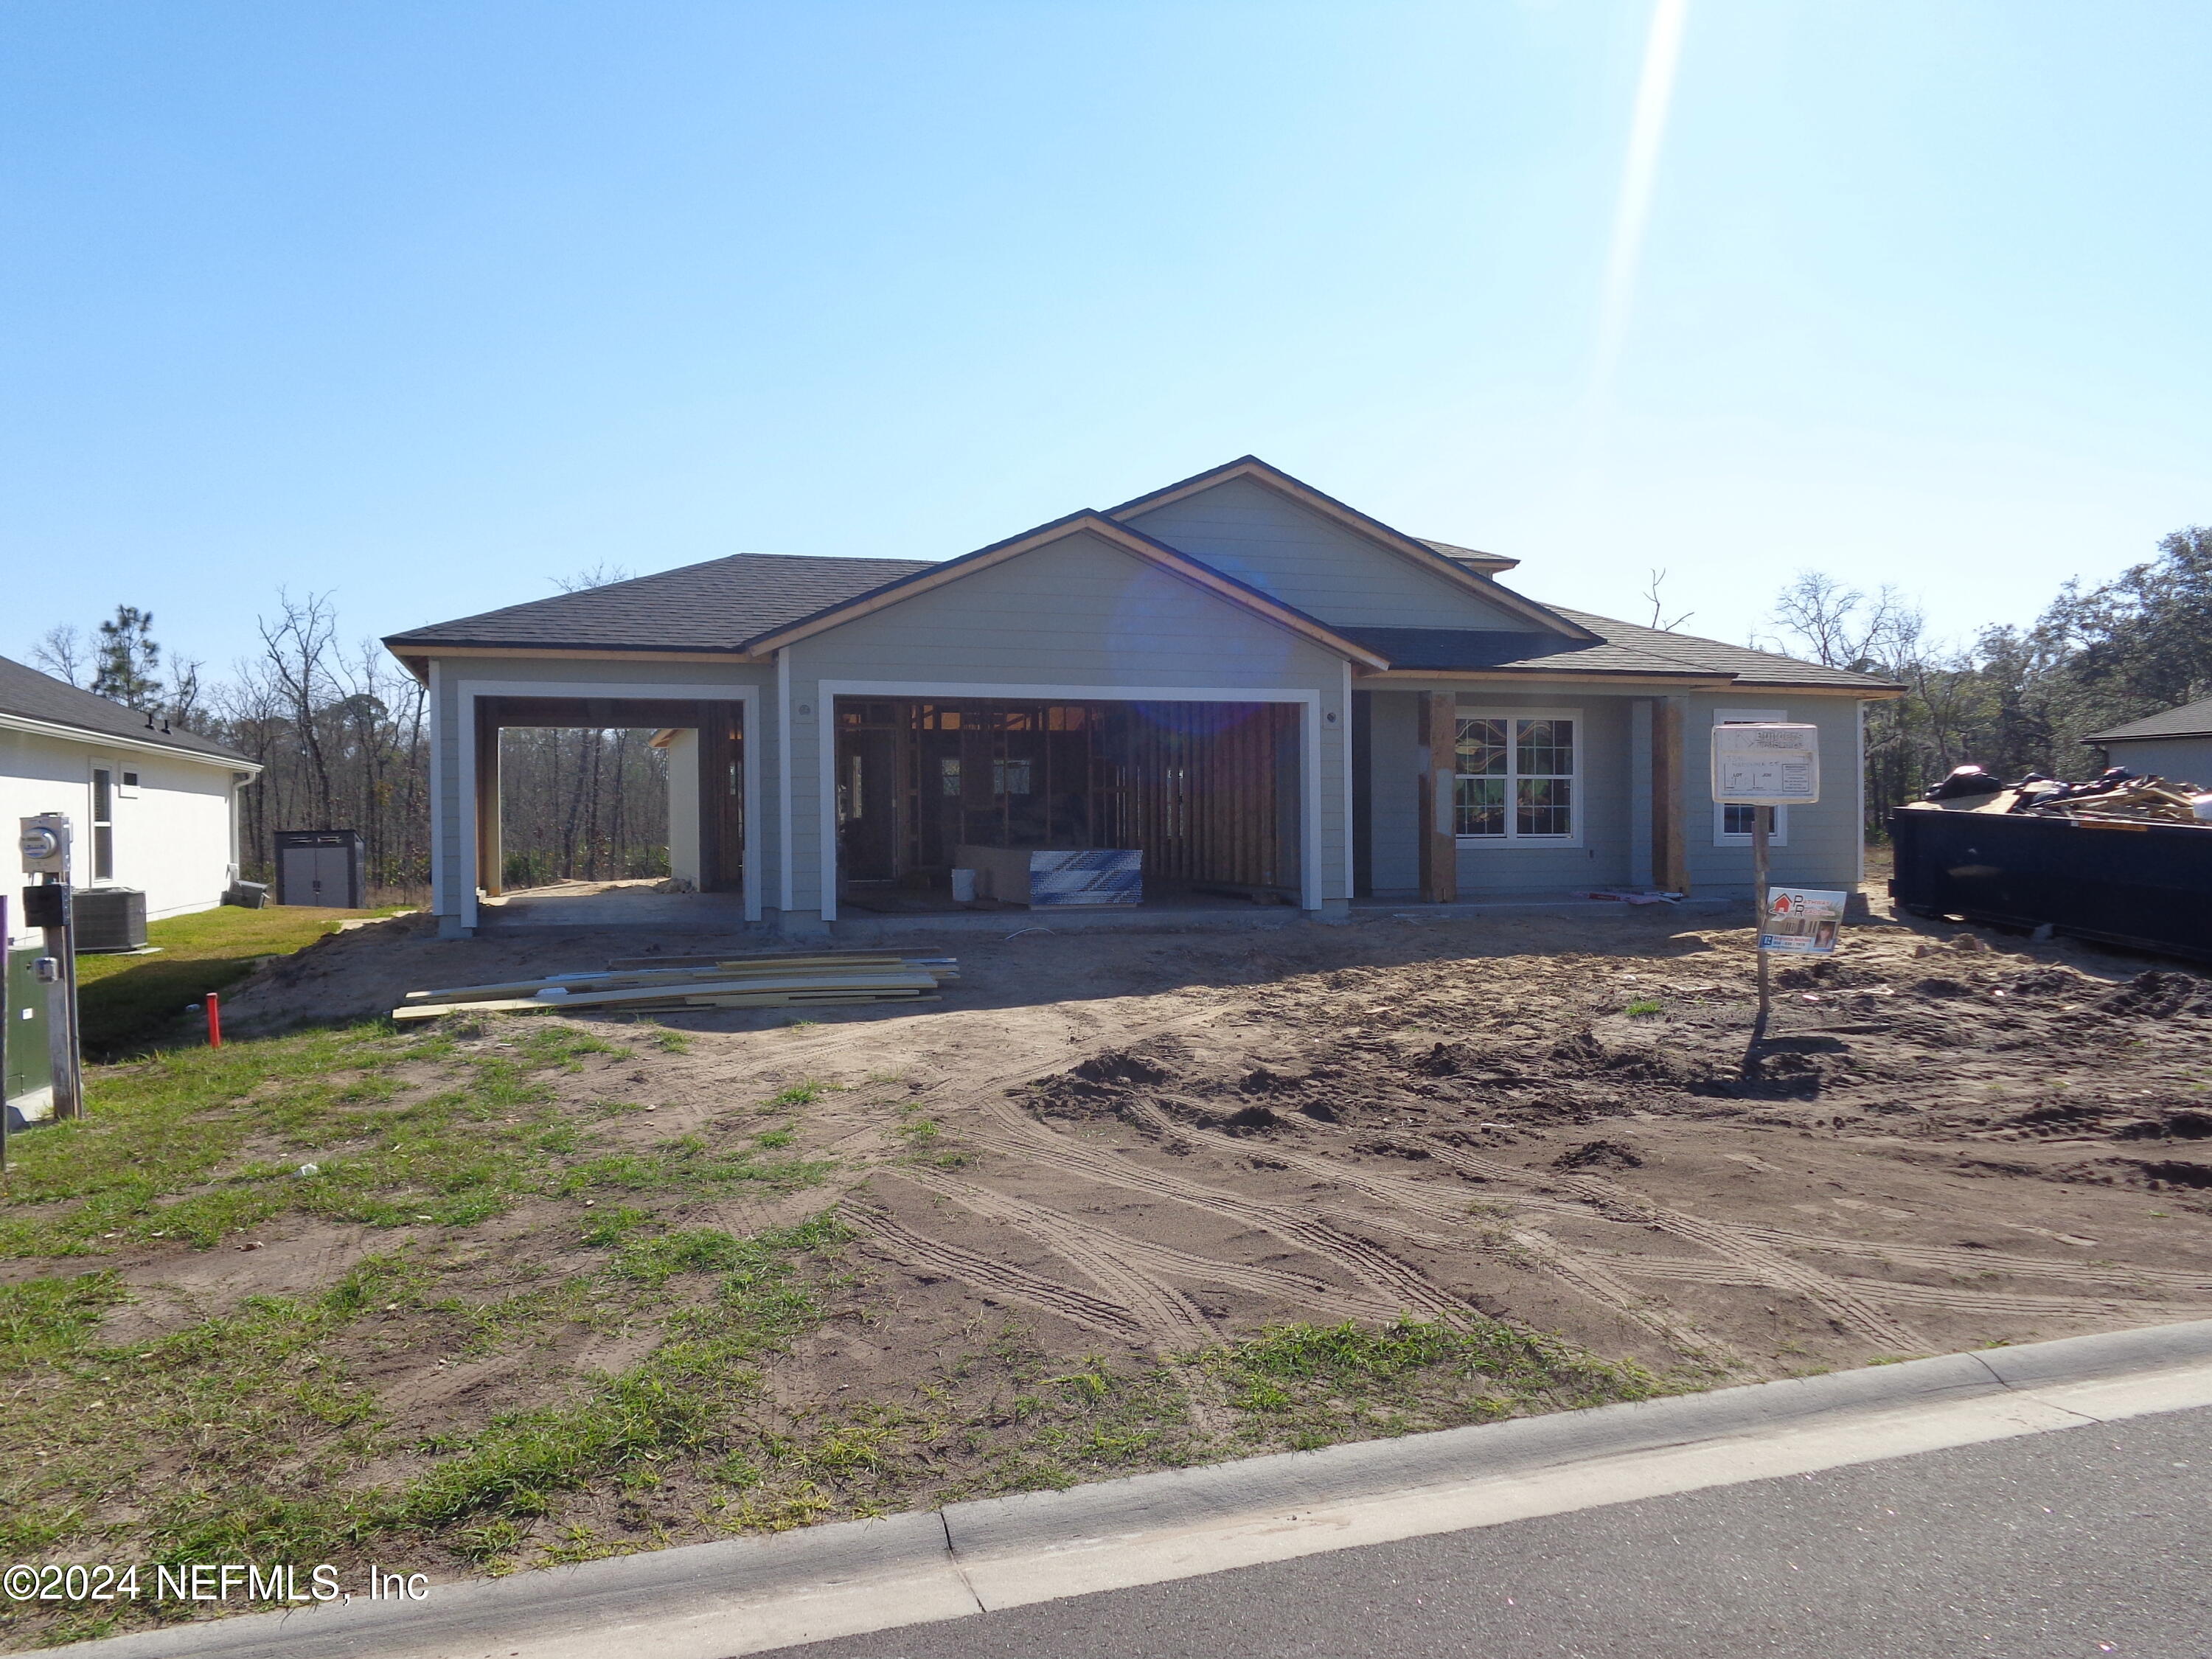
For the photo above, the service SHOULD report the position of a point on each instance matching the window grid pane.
(1482, 749)
(1481, 806)
(1528, 763)
(1546, 807)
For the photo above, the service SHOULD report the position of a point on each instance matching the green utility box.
(30, 1065)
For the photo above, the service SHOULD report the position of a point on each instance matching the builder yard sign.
(1767, 763)
(1764, 764)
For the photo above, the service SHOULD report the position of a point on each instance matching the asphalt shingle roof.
(723, 603)
(714, 606)
(1621, 649)
(29, 695)
(2191, 720)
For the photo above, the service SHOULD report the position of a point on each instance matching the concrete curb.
(747, 1594)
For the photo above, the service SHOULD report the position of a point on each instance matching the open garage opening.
(1205, 795)
(603, 790)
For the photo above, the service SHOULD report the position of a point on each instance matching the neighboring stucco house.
(2177, 745)
(149, 806)
(1265, 691)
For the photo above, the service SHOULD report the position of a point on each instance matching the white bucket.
(963, 886)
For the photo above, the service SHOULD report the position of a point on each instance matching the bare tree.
(64, 652)
(1650, 595)
(297, 649)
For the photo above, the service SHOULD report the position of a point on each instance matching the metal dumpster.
(2144, 885)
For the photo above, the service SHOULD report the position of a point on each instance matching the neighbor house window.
(1519, 777)
(1732, 824)
(103, 824)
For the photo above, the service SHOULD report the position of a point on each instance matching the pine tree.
(127, 660)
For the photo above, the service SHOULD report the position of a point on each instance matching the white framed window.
(1518, 777)
(103, 824)
(1732, 824)
(127, 787)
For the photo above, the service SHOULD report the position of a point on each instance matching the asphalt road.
(2080, 1542)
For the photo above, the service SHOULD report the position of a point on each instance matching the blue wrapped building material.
(1099, 876)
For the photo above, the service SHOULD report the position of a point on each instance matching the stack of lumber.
(785, 982)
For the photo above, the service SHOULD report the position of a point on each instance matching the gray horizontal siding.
(1824, 838)
(1078, 612)
(451, 852)
(1506, 869)
(2183, 759)
(1262, 538)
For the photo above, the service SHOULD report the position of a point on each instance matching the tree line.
(342, 731)
(2012, 699)
(341, 734)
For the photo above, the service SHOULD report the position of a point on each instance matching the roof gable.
(930, 578)
(1279, 534)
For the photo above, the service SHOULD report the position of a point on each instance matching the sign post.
(44, 841)
(1763, 765)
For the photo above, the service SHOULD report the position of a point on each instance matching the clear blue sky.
(431, 302)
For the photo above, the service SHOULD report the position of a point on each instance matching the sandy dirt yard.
(1951, 1138)
(1120, 1199)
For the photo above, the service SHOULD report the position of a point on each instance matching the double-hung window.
(103, 824)
(1519, 778)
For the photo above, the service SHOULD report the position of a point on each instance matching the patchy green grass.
(195, 1144)
(255, 1421)
(1303, 1386)
(130, 1001)
(1645, 1007)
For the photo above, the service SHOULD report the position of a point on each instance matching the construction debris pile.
(2116, 793)
(780, 981)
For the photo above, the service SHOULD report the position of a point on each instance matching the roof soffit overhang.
(1373, 530)
(1172, 560)
(1629, 682)
(92, 739)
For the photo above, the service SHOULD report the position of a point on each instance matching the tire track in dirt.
(1169, 1318)
(1578, 1272)
(1847, 1308)
(998, 1278)
(1951, 1259)
(1057, 1230)
(1953, 1298)
(1398, 1282)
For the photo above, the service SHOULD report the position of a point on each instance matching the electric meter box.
(43, 841)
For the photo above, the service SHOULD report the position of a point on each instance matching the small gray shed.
(2176, 745)
(321, 866)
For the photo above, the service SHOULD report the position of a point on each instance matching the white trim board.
(1577, 803)
(826, 693)
(467, 691)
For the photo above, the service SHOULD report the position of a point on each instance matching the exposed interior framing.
(1219, 788)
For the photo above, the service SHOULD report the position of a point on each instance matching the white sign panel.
(1766, 764)
(1802, 921)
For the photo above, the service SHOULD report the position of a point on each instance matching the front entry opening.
(1208, 792)
(610, 790)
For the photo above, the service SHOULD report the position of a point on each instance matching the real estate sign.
(1802, 921)
(1769, 764)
